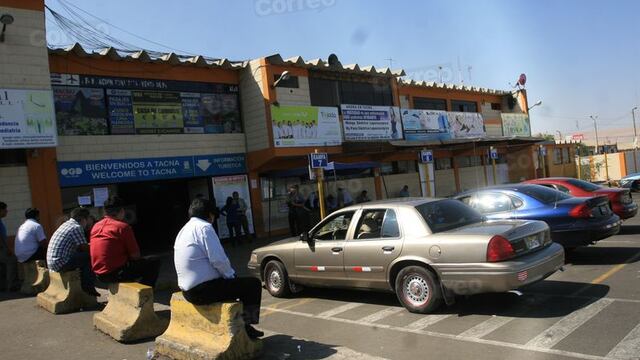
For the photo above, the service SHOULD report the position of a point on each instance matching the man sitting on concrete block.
(68, 249)
(115, 255)
(204, 272)
(31, 242)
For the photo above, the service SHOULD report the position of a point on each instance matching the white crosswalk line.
(381, 314)
(629, 347)
(486, 327)
(568, 324)
(339, 309)
(425, 321)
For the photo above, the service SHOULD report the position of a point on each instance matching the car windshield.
(543, 194)
(447, 214)
(584, 185)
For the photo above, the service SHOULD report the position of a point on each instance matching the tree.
(545, 136)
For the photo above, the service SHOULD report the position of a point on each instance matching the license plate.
(532, 242)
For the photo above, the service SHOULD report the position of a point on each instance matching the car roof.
(407, 201)
(508, 187)
(553, 178)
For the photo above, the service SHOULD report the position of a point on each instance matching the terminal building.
(77, 126)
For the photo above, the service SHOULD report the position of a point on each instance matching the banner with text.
(305, 126)
(515, 125)
(466, 124)
(80, 111)
(367, 122)
(27, 119)
(425, 125)
(223, 188)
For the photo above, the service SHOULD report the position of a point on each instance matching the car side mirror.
(304, 236)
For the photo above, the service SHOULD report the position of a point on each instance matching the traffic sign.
(318, 160)
(426, 156)
(543, 151)
(494, 154)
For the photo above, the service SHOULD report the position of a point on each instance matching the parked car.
(620, 200)
(424, 250)
(574, 221)
(631, 182)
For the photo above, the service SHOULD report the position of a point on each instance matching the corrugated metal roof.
(147, 57)
(319, 64)
(435, 85)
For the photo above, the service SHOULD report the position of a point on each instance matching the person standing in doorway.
(6, 257)
(404, 192)
(31, 243)
(242, 214)
(231, 211)
(295, 202)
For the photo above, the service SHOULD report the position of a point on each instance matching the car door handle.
(388, 248)
(336, 249)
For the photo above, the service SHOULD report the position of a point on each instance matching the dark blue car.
(574, 221)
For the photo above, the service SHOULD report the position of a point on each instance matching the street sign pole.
(320, 183)
(426, 158)
(494, 152)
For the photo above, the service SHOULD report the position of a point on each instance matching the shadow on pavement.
(278, 347)
(599, 255)
(629, 230)
(13, 295)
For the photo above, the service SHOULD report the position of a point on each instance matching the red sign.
(577, 137)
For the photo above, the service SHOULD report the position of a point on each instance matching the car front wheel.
(418, 290)
(276, 279)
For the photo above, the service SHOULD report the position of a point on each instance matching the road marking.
(447, 336)
(339, 309)
(427, 320)
(381, 314)
(287, 304)
(629, 347)
(615, 269)
(486, 327)
(568, 324)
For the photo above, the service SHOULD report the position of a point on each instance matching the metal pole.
(579, 163)
(543, 162)
(635, 139)
(320, 182)
(495, 172)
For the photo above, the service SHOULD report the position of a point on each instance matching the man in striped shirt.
(68, 249)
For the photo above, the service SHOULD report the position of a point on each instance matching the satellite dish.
(522, 79)
(333, 60)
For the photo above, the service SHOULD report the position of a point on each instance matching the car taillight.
(581, 211)
(499, 249)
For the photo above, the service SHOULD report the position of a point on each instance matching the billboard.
(80, 111)
(465, 124)
(305, 126)
(515, 125)
(368, 122)
(27, 119)
(425, 125)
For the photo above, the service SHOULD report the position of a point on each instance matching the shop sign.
(425, 125)
(79, 173)
(367, 122)
(466, 124)
(27, 119)
(305, 126)
(515, 125)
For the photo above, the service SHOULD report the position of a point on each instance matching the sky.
(581, 58)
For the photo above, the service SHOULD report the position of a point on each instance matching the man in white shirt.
(205, 274)
(30, 243)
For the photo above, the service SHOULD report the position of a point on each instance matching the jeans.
(144, 271)
(82, 260)
(234, 233)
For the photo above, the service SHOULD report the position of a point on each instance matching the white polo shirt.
(199, 256)
(28, 238)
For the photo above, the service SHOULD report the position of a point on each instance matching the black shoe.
(253, 332)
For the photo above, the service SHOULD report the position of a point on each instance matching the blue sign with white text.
(79, 173)
(426, 156)
(318, 160)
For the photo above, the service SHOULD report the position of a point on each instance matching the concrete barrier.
(206, 332)
(64, 294)
(35, 277)
(129, 314)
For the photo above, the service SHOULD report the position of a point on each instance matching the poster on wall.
(193, 123)
(27, 119)
(157, 112)
(220, 113)
(367, 122)
(120, 111)
(466, 124)
(223, 188)
(425, 125)
(515, 125)
(305, 126)
(80, 111)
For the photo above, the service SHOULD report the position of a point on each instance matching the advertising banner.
(367, 122)
(466, 124)
(515, 125)
(425, 125)
(193, 121)
(80, 111)
(305, 126)
(223, 188)
(156, 112)
(121, 111)
(27, 119)
(220, 113)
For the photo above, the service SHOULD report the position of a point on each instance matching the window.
(468, 161)
(487, 203)
(332, 92)
(291, 82)
(399, 167)
(444, 215)
(334, 228)
(557, 156)
(564, 189)
(443, 163)
(543, 194)
(566, 155)
(464, 106)
(429, 104)
(390, 227)
(378, 223)
(11, 157)
(323, 92)
(584, 185)
(496, 106)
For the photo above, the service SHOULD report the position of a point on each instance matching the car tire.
(276, 279)
(418, 289)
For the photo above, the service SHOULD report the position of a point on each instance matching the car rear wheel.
(418, 290)
(276, 279)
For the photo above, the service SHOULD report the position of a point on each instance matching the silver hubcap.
(416, 290)
(275, 280)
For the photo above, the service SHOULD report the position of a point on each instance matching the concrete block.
(206, 332)
(64, 294)
(35, 277)
(129, 314)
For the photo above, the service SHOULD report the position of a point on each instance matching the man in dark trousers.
(295, 202)
(115, 256)
(6, 257)
(205, 274)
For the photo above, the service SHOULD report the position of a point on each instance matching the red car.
(619, 199)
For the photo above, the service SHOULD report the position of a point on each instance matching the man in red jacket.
(115, 256)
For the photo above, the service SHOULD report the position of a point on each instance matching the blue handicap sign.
(494, 154)
(426, 156)
(318, 160)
